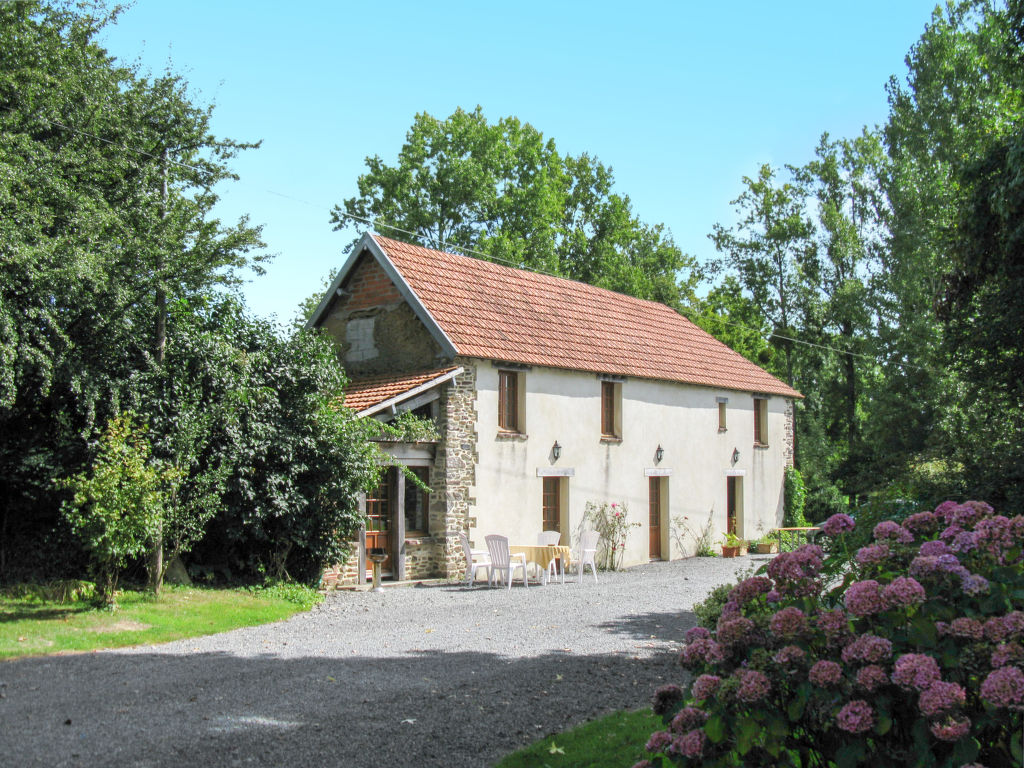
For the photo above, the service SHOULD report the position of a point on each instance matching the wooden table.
(543, 555)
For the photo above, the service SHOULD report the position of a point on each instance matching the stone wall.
(374, 329)
(457, 458)
(788, 449)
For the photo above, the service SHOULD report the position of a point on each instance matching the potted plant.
(769, 545)
(733, 545)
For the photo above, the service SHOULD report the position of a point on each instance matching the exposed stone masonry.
(790, 433)
(457, 458)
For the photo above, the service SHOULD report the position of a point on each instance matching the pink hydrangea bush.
(908, 651)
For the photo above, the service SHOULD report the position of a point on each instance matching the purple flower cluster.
(748, 589)
(796, 572)
(834, 624)
(864, 598)
(703, 650)
(789, 622)
(754, 686)
(666, 697)
(837, 524)
(688, 719)
(903, 591)
(887, 530)
(934, 548)
(916, 671)
(696, 633)
(974, 584)
(964, 542)
(867, 648)
(705, 686)
(790, 655)
(689, 745)
(825, 673)
(921, 522)
(924, 566)
(952, 728)
(856, 717)
(966, 627)
(1004, 687)
(872, 677)
(873, 554)
(994, 535)
(734, 632)
(941, 697)
(659, 741)
(1006, 654)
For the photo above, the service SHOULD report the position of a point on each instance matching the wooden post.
(399, 524)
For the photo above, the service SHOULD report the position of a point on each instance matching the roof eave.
(410, 393)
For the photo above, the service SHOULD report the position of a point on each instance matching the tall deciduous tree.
(504, 190)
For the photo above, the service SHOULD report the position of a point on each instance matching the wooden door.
(378, 523)
(551, 511)
(654, 518)
(730, 505)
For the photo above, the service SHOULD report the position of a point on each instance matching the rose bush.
(908, 651)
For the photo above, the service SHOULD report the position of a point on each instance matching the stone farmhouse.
(547, 394)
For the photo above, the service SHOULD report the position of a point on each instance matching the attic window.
(510, 405)
(611, 410)
(760, 422)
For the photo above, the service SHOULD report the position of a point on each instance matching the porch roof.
(376, 393)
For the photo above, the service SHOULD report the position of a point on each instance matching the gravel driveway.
(421, 676)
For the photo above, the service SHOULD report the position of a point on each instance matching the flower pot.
(767, 547)
(735, 551)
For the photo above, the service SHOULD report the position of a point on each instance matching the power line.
(375, 223)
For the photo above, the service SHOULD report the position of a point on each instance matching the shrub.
(710, 608)
(908, 651)
(613, 523)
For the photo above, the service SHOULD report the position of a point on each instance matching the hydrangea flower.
(754, 686)
(903, 591)
(796, 572)
(856, 717)
(666, 697)
(1006, 654)
(934, 548)
(867, 648)
(701, 651)
(953, 728)
(921, 522)
(705, 686)
(963, 542)
(790, 655)
(696, 633)
(789, 622)
(945, 510)
(734, 632)
(1004, 687)
(995, 630)
(887, 530)
(941, 697)
(689, 745)
(748, 589)
(864, 598)
(974, 584)
(837, 524)
(825, 674)
(966, 627)
(873, 554)
(834, 624)
(872, 677)
(687, 719)
(916, 671)
(659, 741)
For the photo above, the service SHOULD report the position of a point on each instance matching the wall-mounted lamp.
(659, 454)
(556, 451)
(735, 455)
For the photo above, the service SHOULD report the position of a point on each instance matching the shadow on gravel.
(669, 626)
(430, 709)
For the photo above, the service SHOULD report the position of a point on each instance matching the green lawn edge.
(613, 741)
(33, 627)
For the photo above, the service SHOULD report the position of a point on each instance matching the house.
(547, 393)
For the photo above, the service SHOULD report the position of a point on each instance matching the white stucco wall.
(565, 406)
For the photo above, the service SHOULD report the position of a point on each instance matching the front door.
(731, 505)
(378, 523)
(551, 512)
(654, 518)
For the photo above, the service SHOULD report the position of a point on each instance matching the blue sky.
(681, 99)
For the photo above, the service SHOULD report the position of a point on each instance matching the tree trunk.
(156, 555)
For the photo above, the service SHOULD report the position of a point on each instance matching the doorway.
(734, 504)
(655, 514)
(551, 505)
(378, 522)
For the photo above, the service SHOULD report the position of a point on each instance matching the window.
(760, 421)
(508, 401)
(722, 403)
(550, 507)
(417, 503)
(611, 394)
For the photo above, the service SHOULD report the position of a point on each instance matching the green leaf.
(749, 730)
(714, 729)
(795, 710)
(1017, 749)
(850, 755)
(966, 751)
(884, 725)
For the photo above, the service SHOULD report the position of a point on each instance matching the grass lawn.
(30, 626)
(611, 742)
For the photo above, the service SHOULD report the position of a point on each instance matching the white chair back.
(466, 549)
(588, 551)
(497, 546)
(549, 538)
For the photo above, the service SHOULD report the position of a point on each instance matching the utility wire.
(441, 243)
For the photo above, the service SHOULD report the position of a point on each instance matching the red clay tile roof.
(366, 393)
(500, 313)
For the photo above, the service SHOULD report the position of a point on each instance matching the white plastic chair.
(475, 559)
(504, 563)
(551, 539)
(588, 550)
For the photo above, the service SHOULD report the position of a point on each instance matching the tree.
(505, 191)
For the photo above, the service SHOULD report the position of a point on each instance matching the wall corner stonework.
(788, 450)
(459, 449)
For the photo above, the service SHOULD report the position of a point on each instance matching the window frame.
(412, 491)
(760, 422)
(509, 416)
(611, 410)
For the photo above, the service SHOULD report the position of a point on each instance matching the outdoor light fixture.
(659, 454)
(735, 455)
(556, 450)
